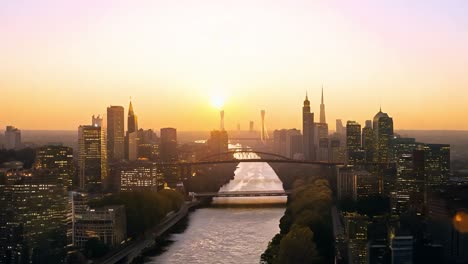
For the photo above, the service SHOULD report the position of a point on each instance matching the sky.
(63, 61)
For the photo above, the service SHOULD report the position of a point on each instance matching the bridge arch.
(224, 154)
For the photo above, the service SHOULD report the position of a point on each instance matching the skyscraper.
(264, 135)
(168, 145)
(322, 111)
(33, 219)
(132, 134)
(132, 120)
(368, 141)
(56, 162)
(115, 132)
(218, 142)
(353, 142)
(308, 131)
(221, 125)
(339, 127)
(92, 155)
(12, 138)
(383, 134)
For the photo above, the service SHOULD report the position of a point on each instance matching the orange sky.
(64, 61)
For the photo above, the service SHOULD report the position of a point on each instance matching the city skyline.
(70, 60)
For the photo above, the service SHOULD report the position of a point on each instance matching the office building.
(57, 162)
(132, 139)
(218, 142)
(115, 133)
(383, 135)
(279, 142)
(368, 144)
(108, 224)
(294, 144)
(402, 249)
(168, 145)
(33, 219)
(139, 176)
(355, 154)
(308, 131)
(92, 156)
(356, 236)
(12, 138)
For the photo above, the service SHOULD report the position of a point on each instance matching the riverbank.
(135, 248)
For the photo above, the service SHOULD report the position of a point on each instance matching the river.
(231, 234)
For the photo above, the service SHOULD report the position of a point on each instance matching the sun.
(217, 101)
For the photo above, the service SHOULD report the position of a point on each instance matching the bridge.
(242, 194)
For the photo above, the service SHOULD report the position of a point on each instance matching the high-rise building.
(408, 193)
(279, 142)
(251, 126)
(221, 114)
(33, 219)
(132, 134)
(345, 182)
(92, 155)
(356, 235)
(321, 141)
(355, 154)
(168, 145)
(12, 138)
(218, 142)
(322, 111)
(308, 131)
(337, 150)
(264, 132)
(148, 145)
(383, 134)
(355, 184)
(115, 133)
(436, 163)
(57, 162)
(339, 127)
(402, 249)
(294, 144)
(368, 144)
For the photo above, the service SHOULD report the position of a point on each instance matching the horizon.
(180, 61)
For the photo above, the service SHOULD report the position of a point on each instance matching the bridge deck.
(242, 194)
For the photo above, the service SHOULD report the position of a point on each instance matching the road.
(134, 248)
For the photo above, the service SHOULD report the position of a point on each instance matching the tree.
(298, 247)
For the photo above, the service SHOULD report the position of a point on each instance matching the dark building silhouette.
(168, 145)
(308, 131)
(115, 133)
(33, 218)
(383, 135)
(368, 144)
(355, 154)
(218, 142)
(132, 134)
(57, 162)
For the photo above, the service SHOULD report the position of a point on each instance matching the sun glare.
(217, 101)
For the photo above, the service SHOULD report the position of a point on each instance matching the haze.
(63, 61)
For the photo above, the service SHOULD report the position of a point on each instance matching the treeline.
(143, 209)
(306, 231)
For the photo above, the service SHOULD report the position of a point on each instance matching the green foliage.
(298, 247)
(143, 209)
(308, 212)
